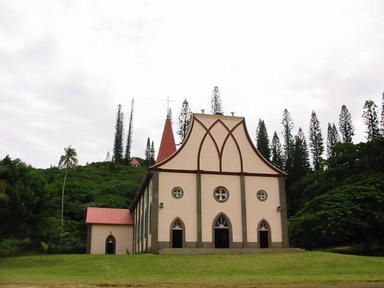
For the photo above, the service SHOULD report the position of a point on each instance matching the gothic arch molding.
(263, 226)
(216, 221)
(177, 224)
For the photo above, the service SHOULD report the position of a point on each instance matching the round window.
(177, 192)
(262, 195)
(221, 194)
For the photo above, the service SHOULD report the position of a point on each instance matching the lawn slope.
(278, 269)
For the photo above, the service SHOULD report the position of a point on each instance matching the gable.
(218, 144)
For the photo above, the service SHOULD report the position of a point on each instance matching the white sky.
(66, 65)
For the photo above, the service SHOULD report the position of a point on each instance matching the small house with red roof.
(110, 231)
(134, 163)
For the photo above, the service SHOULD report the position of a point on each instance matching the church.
(215, 191)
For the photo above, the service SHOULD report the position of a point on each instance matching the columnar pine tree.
(300, 168)
(382, 116)
(152, 153)
(316, 142)
(184, 121)
(288, 143)
(118, 144)
(332, 139)
(262, 140)
(371, 120)
(216, 101)
(345, 125)
(129, 136)
(277, 152)
(147, 153)
(300, 156)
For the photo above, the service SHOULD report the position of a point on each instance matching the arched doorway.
(177, 229)
(221, 231)
(110, 245)
(264, 234)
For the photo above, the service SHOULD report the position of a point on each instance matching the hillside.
(97, 184)
(32, 203)
(101, 184)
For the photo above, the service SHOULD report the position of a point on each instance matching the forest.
(335, 188)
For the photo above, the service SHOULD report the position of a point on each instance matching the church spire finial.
(169, 113)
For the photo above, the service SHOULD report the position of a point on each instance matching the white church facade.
(215, 191)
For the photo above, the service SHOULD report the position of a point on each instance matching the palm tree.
(67, 161)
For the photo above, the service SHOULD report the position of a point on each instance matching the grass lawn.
(146, 270)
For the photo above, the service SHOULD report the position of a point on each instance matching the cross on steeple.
(169, 113)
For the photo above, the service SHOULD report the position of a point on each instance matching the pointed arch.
(177, 233)
(230, 134)
(222, 236)
(264, 234)
(207, 133)
(110, 244)
(230, 157)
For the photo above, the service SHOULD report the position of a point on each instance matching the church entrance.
(110, 245)
(221, 232)
(177, 234)
(264, 235)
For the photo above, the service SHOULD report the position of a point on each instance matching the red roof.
(167, 145)
(134, 162)
(108, 216)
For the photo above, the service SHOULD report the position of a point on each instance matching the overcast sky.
(66, 65)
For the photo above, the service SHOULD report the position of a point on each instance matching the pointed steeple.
(167, 145)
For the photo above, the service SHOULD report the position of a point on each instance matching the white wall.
(122, 233)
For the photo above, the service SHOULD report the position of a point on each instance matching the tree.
(277, 153)
(184, 121)
(27, 208)
(67, 161)
(316, 142)
(371, 120)
(300, 168)
(118, 145)
(148, 155)
(300, 155)
(152, 158)
(288, 143)
(332, 139)
(262, 141)
(3, 181)
(348, 213)
(345, 125)
(216, 101)
(129, 136)
(382, 116)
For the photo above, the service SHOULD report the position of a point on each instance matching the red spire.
(167, 145)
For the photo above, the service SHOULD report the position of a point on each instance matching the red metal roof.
(167, 145)
(108, 216)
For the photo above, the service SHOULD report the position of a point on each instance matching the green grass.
(146, 270)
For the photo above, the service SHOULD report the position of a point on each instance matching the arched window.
(177, 233)
(222, 222)
(110, 245)
(222, 231)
